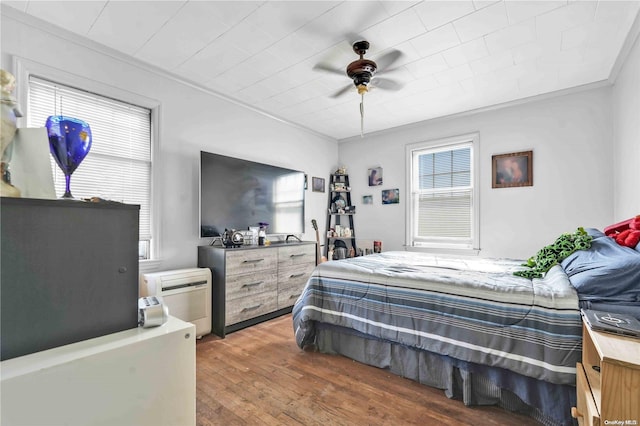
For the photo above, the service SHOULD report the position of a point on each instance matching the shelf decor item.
(9, 112)
(70, 142)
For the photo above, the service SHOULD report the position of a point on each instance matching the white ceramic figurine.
(10, 111)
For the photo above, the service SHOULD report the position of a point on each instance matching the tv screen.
(237, 194)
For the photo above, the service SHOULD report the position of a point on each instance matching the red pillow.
(626, 233)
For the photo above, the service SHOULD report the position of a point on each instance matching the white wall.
(626, 136)
(570, 136)
(190, 120)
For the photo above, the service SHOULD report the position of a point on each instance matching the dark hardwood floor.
(259, 376)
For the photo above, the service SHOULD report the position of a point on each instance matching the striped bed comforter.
(471, 309)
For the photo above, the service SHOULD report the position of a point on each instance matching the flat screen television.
(237, 194)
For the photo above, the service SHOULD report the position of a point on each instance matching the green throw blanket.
(554, 253)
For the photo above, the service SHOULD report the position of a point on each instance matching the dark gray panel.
(69, 272)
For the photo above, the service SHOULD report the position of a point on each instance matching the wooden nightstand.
(608, 380)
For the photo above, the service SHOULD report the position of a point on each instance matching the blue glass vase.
(70, 142)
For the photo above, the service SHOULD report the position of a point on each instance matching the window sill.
(149, 265)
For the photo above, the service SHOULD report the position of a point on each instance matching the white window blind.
(118, 166)
(442, 196)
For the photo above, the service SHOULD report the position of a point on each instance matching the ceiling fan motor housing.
(361, 71)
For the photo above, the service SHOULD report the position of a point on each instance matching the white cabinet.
(141, 376)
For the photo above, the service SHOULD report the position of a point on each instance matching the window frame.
(444, 144)
(24, 69)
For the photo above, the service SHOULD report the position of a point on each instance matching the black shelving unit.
(340, 211)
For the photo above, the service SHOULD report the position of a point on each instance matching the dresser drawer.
(296, 255)
(294, 276)
(287, 297)
(246, 285)
(587, 413)
(244, 261)
(245, 308)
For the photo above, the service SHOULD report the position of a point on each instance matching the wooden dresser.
(608, 380)
(252, 284)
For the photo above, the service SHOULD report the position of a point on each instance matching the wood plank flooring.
(259, 376)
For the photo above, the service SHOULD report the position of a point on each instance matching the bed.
(465, 325)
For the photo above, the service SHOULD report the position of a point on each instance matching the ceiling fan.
(364, 73)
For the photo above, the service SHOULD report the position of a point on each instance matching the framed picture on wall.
(375, 176)
(511, 170)
(390, 196)
(317, 184)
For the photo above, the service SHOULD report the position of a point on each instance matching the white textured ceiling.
(457, 55)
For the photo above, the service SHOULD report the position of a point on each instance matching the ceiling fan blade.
(328, 68)
(387, 84)
(342, 91)
(385, 61)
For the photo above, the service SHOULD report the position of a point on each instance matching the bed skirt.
(474, 384)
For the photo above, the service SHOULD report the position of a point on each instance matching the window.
(443, 211)
(118, 166)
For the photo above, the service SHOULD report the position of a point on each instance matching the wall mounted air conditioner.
(186, 292)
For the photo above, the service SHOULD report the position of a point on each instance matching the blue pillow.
(607, 272)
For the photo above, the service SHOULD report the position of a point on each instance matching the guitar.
(320, 257)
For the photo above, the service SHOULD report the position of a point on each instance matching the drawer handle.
(252, 284)
(296, 275)
(298, 255)
(575, 413)
(253, 261)
(294, 296)
(252, 308)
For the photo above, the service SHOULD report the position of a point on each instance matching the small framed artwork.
(390, 196)
(367, 199)
(511, 170)
(375, 176)
(317, 184)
